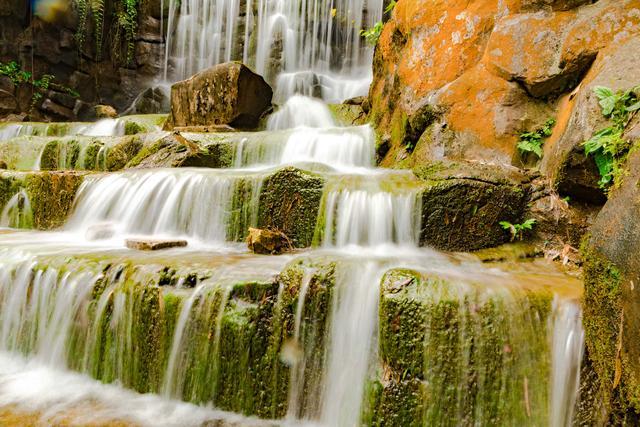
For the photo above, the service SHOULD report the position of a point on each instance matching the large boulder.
(461, 80)
(580, 116)
(226, 94)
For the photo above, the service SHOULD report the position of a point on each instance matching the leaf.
(528, 224)
(603, 92)
(604, 162)
(634, 107)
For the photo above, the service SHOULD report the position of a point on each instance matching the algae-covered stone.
(463, 205)
(289, 202)
(50, 194)
(123, 152)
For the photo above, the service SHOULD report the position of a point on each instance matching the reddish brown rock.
(154, 244)
(462, 80)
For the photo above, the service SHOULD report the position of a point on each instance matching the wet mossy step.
(288, 201)
(236, 346)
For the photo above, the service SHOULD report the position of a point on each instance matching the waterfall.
(350, 343)
(369, 211)
(568, 348)
(17, 212)
(311, 47)
(172, 202)
(344, 149)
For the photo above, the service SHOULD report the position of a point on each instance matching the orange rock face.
(485, 71)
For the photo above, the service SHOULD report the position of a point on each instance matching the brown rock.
(3, 165)
(63, 99)
(8, 103)
(226, 94)
(267, 242)
(57, 111)
(105, 112)
(154, 244)
(149, 57)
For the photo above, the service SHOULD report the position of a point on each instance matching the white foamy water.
(301, 111)
(312, 47)
(69, 398)
(351, 343)
(344, 149)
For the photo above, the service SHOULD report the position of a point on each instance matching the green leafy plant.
(372, 35)
(97, 10)
(123, 29)
(532, 142)
(518, 230)
(128, 21)
(607, 146)
(18, 76)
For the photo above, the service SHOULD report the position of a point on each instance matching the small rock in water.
(267, 242)
(100, 232)
(154, 244)
(105, 112)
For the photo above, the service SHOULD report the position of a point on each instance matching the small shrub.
(607, 146)
(18, 76)
(532, 142)
(372, 35)
(518, 230)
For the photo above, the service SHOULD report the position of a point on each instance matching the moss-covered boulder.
(611, 303)
(290, 202)
(178, 150)
(463, 205)
(123, 152)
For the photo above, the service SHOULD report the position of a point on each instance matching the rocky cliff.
(461, 80)
(102, 52)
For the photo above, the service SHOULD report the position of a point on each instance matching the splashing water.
(301, 111)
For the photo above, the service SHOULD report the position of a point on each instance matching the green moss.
(460, 353)
(119, 155)
(51, 196)
(132, 128)
(602, 319)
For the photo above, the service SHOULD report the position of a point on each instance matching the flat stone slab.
(154, 244)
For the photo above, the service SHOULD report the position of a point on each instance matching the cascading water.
(311, 47)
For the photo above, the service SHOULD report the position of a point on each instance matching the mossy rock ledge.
(463, 204)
